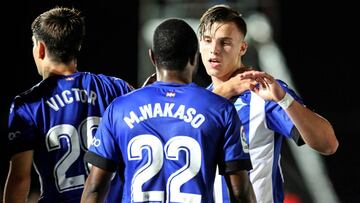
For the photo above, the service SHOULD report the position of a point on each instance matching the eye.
(207, 39)
(226, 42)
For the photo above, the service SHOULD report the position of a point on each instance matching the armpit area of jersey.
(295, 135)
(238, 165)
(100, 161)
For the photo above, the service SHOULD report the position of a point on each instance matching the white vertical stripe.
(272, 61)
(261, 144)
(218, 196)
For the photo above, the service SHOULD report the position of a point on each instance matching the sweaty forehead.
(223, 30)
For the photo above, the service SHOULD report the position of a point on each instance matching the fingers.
(249, 74)
(253, 86)
(257, 76)
(256, 81)
(262, 83)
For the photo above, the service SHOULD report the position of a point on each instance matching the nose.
(214, 48)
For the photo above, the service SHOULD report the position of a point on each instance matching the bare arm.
(315, 130)
(237, 84)
(96, 186)
(240, 187)
(149, 80)
(19, 177)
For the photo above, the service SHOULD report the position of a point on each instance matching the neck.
(59, 69)
(173, 76)
(219, 80)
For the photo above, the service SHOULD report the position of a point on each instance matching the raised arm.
(240, 187)
(315, 130)
(19, 178)
(237, 84)
(96, 185)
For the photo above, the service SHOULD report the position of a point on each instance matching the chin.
(212, 72)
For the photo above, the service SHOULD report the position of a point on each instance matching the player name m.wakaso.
(147, 111)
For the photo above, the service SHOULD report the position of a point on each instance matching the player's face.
(221, 49)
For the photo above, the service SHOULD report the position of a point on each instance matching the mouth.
(214, 62)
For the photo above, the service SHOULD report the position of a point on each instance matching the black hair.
(174, 44)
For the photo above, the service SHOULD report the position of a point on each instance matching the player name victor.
(69, 96)
(147, 111)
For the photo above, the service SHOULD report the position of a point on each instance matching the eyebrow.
(221, 38)
(226, 38)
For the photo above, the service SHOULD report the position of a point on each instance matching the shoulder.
(207, 92)
(100, 77)
(211, 100)
(113, 80)
(107, 82)
(110, 78)
(136, 94)
(31, 95)
(210, 88)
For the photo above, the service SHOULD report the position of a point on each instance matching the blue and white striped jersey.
(57, 119)
(168, 139)
(266, 125)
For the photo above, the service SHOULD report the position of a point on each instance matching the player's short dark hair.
(221, 14)
(62, 30)
(174, 44)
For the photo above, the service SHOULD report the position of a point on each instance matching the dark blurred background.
(318, 40)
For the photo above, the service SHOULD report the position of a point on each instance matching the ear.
(152, 57)
(243, 48)
(41, 49)
(193, 59)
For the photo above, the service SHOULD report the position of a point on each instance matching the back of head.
(221, 14)
(174, 44)
(62, 30)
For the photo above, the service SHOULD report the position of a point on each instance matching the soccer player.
(270, 113)
(52, 124)
(169, 136)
